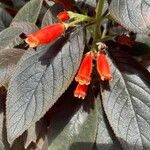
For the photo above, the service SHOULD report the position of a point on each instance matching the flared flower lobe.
(81, 91)
(45, 35)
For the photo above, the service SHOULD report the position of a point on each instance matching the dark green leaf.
(5, 19)
(142, 45)
(40, 79)
(18, 4)
(8, 61)
(73, 123)
(29, 12)
(134, 15)
(126, 101)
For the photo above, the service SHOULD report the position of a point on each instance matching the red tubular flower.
(63, 16)
(84, 73)
(81, 91)
(45, 35)
(103, 67)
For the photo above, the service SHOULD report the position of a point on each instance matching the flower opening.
(103, 67)
(45, 35)
(81, 91)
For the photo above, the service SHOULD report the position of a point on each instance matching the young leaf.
(127, 102)
(40, 79)
(73, 123)
(134, 15)
(8, 61)
(29, 12)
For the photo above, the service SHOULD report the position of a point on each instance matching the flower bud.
(63, 16)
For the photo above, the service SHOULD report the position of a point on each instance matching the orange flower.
(63, 16)
(103, 67)
(45, 35)
(81, 91)
(125, 40)
(85, 70)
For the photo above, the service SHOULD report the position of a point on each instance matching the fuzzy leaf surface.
(9, 37)
(127, 102)
(29, 12)
(40, 79)
(8, 61)
(134, 15)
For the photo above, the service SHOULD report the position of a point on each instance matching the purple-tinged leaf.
(8, 61)
(134, 15)
(41, 77)
(126, 100)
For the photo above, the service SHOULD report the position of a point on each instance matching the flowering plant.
(74, 75)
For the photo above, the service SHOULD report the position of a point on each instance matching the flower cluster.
(83, 76)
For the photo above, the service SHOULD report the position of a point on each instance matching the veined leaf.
(9, 37)
(134, 15)
(8, 61)
(127, 102)
(29, 12)
(40, 79)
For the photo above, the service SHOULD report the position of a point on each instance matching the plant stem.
(79, 18)
(97, 32)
